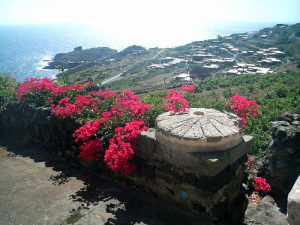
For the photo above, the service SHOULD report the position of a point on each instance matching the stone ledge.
(293, 216)
(198, 163)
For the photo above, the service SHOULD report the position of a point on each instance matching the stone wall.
(206, 183)
(37, 126)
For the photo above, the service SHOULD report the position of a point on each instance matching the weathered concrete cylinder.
(199, 129)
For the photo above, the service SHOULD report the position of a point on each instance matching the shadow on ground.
(126, 204)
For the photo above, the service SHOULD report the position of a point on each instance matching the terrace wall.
(216, 194)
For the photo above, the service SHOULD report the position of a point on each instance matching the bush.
(7, 90)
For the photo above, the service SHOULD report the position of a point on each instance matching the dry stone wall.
(202, 178)
(37, 126)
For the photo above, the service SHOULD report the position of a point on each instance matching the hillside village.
(260, 52)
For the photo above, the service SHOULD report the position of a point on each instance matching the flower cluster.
(243, 107)
(176, 102)
(130, 103)
(113, 111)
(50, 89)
(123, 146)
(261, 185)
(111, 122)
(87, 131)
(82, 102)
(188, 88)
(35, 84)
(90, 150)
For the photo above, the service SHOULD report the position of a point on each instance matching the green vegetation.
(8, 91)
(275, 93)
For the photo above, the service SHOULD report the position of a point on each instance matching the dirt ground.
(39, 188)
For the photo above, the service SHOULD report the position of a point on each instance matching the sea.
(26, 49)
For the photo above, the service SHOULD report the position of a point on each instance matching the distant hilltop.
(91, 56)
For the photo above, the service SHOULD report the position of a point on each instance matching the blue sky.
(128, 13)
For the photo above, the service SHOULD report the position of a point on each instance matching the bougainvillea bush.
(110, 122)
(176, 102)
(188, 88)
(243, 107)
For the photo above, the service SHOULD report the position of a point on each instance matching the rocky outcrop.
(79, 48)
(282, 165)
(78, 57)
(293, 216)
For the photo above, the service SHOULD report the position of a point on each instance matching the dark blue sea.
(24, 49)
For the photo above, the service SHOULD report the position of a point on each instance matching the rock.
(282, 164)
(264, 213)
(293, 216)
(79, 48)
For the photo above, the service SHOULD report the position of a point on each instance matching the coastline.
(28, 56)
(44, 62)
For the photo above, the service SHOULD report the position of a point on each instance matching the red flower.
(176, 102)
(105, 94)
(243, 107)
(188, 88)
(261, 185)
(87, 131)
(123, 146)
(90, 150)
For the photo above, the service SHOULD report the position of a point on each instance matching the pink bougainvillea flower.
(261, 185)
(243, 107)
(188, 88)
(176, 102)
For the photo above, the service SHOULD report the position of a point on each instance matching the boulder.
(265, 212)
(282, 164)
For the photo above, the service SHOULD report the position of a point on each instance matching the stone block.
(197, 163)
(293, 209)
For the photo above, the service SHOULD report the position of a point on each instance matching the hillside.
(269, 50)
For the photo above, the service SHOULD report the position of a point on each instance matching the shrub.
(7, 90)
(111, 122)
(244, 107)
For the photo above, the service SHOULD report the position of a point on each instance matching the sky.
(138, 20)
(120, 13)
